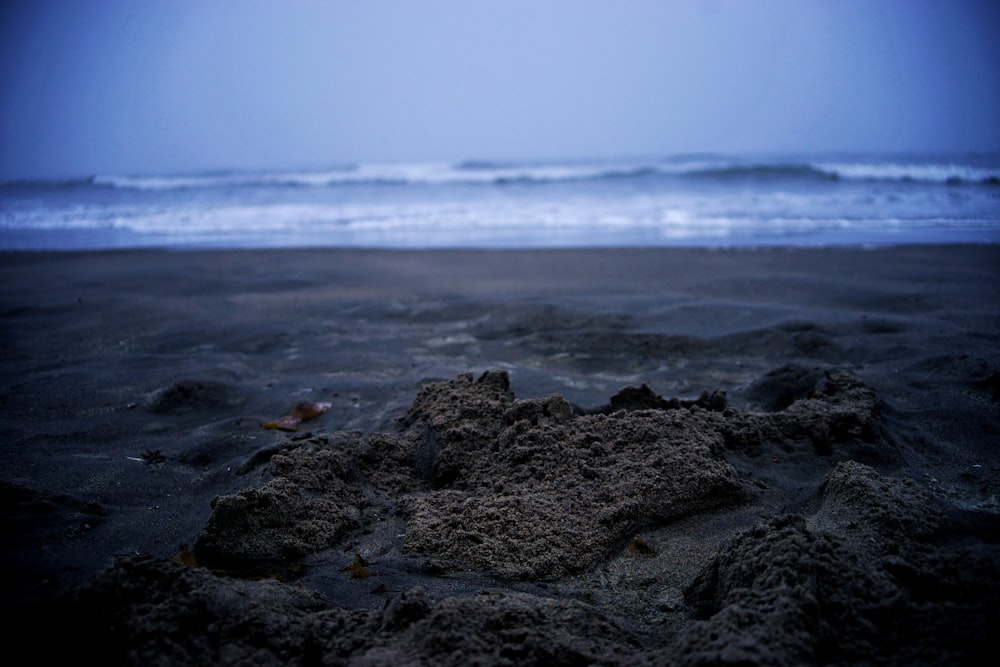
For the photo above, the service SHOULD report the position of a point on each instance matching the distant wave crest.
(705, 169)
(42, 184)
(765, 172)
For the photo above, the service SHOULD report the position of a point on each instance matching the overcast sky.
(153, 86)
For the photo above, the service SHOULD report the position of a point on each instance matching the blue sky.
(153, 86)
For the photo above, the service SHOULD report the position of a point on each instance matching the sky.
(168, 86)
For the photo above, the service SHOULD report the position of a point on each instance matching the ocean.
(692, 200)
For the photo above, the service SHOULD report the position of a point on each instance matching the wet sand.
(656, 456)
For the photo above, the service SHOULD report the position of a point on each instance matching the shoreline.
(135, 384)
(887, 241)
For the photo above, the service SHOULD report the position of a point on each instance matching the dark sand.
(676, 457)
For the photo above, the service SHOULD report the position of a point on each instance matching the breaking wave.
(974, 170)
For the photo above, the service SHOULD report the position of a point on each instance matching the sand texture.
(616, 457)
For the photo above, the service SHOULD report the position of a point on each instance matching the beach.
(671, 456)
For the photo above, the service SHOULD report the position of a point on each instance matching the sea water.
(691, 200)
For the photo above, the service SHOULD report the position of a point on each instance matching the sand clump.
(521, 488)
(321, 488)
(166, 614)
(541, 490)
(859, 582)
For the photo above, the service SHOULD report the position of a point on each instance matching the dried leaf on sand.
(300, 413)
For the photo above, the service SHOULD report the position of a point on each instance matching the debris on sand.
(300, 413)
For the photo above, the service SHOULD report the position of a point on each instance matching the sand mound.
(166, 614)
(791, 592)
(322, 487)
(520, 488)
(541, 490)
(780, 593)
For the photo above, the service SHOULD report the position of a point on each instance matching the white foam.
(559, 205)
(412, 173)
(903, 171)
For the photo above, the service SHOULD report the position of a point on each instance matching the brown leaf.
(185, 557)
(300, 413)
(358, 568)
